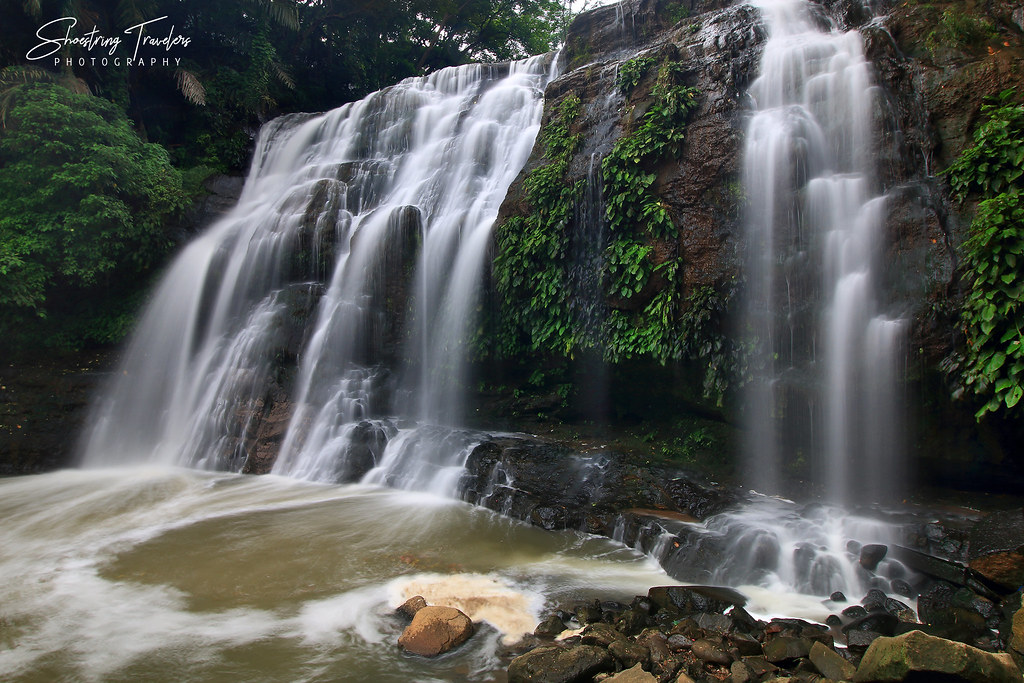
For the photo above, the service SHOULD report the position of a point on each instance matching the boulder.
(786, 648)
(550, 627)
(711, 652)
(629, 653)
(411, 606)
(918, 656)
(871, 555)
(694, 599)
(996, 548)
(435, 630)
(831, 664)
(560, 665)
(633, 675)
(1016, 645)
(600, 634)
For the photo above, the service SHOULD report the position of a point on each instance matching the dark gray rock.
(782, 649)
(560, 665)
(996, 548)
(871, 555)
(687, 600)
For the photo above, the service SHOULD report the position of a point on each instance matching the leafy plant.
(83, 203)
(632, 71)
(992, 365)
(995, 163)
(961, 30)
(531, 249)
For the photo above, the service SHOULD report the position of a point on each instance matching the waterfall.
(826, 356)
(372, 221)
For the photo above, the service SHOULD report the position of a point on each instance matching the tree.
(83, 208)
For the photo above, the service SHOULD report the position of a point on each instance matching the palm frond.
(33, 8)
(190, 86)
(283, 75)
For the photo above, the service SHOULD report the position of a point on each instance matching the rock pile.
(678, 634)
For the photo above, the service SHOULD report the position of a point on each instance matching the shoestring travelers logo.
(148, 43)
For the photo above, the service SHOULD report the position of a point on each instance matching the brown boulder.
(435, 630)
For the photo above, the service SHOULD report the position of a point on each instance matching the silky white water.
(826, 354)
(379, 214)
(163, 574)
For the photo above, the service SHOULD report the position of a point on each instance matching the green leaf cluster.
(632, 71)
(530, 264)
(635, 212)
(992, 365)
(83, 204)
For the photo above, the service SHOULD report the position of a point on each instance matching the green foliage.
(676, 12)
(529, 267)
(532, 261)
(995, 163)
(992, 365)
(632, 71)
(83, 202)
(960, 30)
(993, 314)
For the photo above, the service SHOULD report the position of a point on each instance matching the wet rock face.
(996, 549)
(717, 47)
(555, 488)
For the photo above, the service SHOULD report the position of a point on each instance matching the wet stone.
(786, 648)
(837, 597)
(560, 665)
(746, 645)
(900, 610)
(716, 623)
(632, 622)
(600, 634)
(854, 612)
(677, 642)
(858, 641)
(411, 606)
(871, 555)
(711, 652)
(880, 622)
(834, 620)
(550, 627)
(629, 653)
(901, 587)
(830, 663)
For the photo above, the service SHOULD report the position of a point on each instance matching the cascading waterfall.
(826, 357)
(394, 197)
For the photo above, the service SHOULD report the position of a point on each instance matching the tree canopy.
(83, 205)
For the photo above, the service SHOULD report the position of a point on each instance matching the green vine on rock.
(991, 366)
(529, 267)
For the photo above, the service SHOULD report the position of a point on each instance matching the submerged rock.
(918, 656)
(436, 630)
